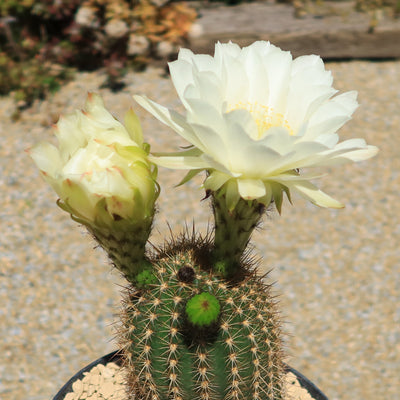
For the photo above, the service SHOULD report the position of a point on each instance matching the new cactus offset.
(191, 334)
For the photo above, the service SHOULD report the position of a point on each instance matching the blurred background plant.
(42, 42)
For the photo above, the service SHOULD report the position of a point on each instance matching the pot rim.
(116, 357)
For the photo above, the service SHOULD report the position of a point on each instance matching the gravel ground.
(337, 270)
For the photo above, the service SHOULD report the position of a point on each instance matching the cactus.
(191, 334)
(198, 321)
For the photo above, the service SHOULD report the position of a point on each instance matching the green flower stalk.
(104, 179)
(232, 231)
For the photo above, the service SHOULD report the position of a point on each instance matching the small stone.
(95, 379)
(101, 368)
(70, 396)
(196, 30)
(108, 373)
(165, 49)
(107, 389)
(83, 396)
(116, 28)
(77, 387)
(87, 18)
(137, 45)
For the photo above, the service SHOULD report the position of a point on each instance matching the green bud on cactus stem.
(202, 310)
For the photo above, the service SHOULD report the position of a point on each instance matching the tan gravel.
(106, 382)
(337, 271)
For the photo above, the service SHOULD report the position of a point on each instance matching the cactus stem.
(126, 249)
(233, 229)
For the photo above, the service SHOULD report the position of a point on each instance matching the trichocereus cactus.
(188, 333)
(198, 321)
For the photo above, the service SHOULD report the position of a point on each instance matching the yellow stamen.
(265, 117)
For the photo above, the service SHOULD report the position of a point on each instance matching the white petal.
(341, 156)
(180, 162)
(216, 180)
(258, 77)
(278, 65)
(279, 140)
(248, 127)
(311, 69)
(256, 161)
(182, 76)
(250, 189)
(185, 54)
(204, 63)
(329, 139)
(332, 115)
(211, 142)
(170, 118)
(237, 84)
(47, 158)
(201, 112)
(303, 101)
(313, 194)
(223, 49)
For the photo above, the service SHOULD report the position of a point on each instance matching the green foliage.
(30, 79)
(236, 354)
(41, 41)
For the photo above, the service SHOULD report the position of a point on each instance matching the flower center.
(265, 117)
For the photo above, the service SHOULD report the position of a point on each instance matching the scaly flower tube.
(103, 177)
(255, 117)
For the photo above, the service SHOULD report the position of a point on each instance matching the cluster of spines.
(244, 361)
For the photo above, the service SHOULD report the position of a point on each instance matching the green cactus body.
(233, 351)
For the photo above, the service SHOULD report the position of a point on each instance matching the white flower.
(255, 117)
(100, 170)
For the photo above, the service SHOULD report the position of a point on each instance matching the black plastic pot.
(314, 392)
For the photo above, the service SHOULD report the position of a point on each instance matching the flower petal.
(216, 180)
(169, 118)
(313, 194)
(250, 189)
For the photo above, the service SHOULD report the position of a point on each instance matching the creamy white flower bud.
(100, 170)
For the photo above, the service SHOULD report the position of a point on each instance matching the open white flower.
(100, 170)
(255, 117)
